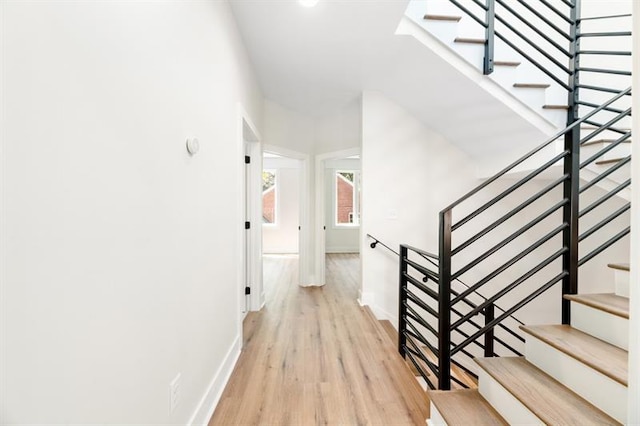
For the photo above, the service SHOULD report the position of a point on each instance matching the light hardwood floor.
(314, 356)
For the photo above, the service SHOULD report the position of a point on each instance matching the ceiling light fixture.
(308, 3)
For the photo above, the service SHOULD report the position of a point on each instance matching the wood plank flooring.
(313, 356)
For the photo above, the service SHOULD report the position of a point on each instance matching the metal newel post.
(402, 297)
(489, 315)
(490, 37)
(444, 303)
(572, 168)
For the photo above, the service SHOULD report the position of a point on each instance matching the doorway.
(338, 215)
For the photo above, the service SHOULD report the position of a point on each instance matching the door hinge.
(247, 225)
(247, 159)
(247, 290)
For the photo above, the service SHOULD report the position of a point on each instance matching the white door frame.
(248, 135)
(320, 245)
(304, 236)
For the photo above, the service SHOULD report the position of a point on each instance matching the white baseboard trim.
(381, 314)
(336, 250)
(211, 397)
(366, 298)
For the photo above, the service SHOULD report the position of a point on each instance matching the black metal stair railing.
(558, 237)
(535, 243)
(418, 297)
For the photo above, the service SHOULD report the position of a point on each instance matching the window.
(269, 193)
(347, 196)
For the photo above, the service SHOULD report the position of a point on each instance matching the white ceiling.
(313, 60)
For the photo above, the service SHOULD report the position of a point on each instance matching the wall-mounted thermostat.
(193, 146)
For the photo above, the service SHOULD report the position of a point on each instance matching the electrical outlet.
(174, 393)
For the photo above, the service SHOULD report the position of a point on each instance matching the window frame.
(275, 199)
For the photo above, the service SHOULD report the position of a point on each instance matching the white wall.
(338, 239)
(120, 250)
(404, 166)
(282, 237)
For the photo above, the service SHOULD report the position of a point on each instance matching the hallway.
(314, 356)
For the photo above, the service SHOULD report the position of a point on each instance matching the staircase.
(529, 238)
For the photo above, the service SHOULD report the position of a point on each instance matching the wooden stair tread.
(531, 85)
(465, 407)
(450, 18)
(599, 141)
(607, 302)
(620, 266)
(610, 161)
(595, 353)
(506, 63)
(544, 396)
(469, 40)
(563, 107)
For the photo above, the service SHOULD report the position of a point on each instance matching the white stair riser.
(507, 405)
(605, 326)
(622, 279)
(603, 392)
(435, 418)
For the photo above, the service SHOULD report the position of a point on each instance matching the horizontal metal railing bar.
(424, 375)
(591, 18)
(415, 299)
(592, 105)
(420, 251)
(598, 125)
(604, 222)
(606, 149)
(606, 197)
(414, 316)
(605, 52)
(534, 151)
(463, 368)
(459, 382)
(510, 190)
(535, 45)
(416, 334)
(599, 88)
(471, 14)
(473, 305)
(509, 215)
(506, 289)
(509, 347)
(604, 71)
(547, 20)
(606, 34)
(428, 345)
(558, 12)
(509, 239)
(422, 269)
(431, 293)
(428, 275)
(611, 241)
(511, 310)
(528, 57)
(411, 353)
(515, 259)
(603, 175)
(533, 27)
(377, 241)
(607, 126)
